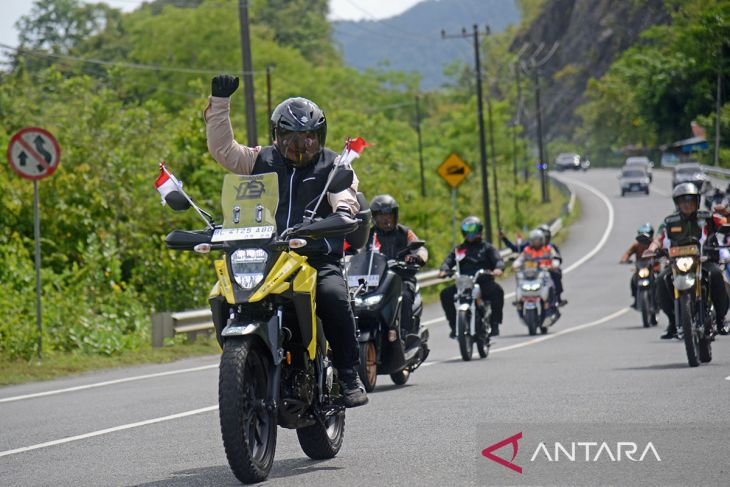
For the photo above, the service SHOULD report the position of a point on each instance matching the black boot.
(353, 391)
(452, 333)
(670, 333)
(495, 330)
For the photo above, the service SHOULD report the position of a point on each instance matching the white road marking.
(107, 431)
(660, 192)
(213, 408)
(543, 338)
(107, 383)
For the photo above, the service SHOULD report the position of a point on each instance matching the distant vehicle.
(690, 172)
(643, 162)
(571, 160)
(633, 179)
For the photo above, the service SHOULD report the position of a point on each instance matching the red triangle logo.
(487, 452)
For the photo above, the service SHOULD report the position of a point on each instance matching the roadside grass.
(58, 364)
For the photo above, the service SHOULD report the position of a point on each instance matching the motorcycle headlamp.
(684, 264)
(684, 282)
(369, 301)
(643, 272)
(530, 286)
(248, 266)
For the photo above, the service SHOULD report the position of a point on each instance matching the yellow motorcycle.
(276, 367)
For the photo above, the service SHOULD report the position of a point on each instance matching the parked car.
(690, 172)
(571, 160)
(633, 179)
(643, 162)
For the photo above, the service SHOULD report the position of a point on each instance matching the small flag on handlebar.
(167, 183)
(376, 243)
(460, 254)
(353, 149)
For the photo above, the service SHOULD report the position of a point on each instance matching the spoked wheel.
(691, 336)
(401, 377)
(482, 340)
(323, 440)
(531, 320)
(248, 427)
(368, 368)
(466, 343)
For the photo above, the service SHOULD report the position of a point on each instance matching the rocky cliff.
(591, 35)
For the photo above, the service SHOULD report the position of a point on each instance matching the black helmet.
(686, 190)
(471, 227)
(545, 229)
(647, 229)
(384, 204)
(299, 130)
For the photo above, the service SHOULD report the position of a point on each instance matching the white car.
(571, 160)
(642, 162)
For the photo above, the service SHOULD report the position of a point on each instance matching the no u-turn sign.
(33, 153)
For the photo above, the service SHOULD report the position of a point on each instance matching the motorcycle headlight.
(643, 273)
(248, 266)
(368, 301)
(684, 264)
(531, 286)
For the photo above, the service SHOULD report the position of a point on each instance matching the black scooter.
(376, 287)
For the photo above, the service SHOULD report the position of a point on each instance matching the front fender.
(266, 331)
(463, 307)
(364, 336)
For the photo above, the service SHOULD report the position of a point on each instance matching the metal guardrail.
(168, 324)
(717, 171)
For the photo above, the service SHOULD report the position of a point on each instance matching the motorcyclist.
(679, 229)
(636, 250)
(539, 250)
(472, 255)
(299, 157)
(556, 272)
(392, 239)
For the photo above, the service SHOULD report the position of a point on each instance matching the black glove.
(223, 85)
(414, 259)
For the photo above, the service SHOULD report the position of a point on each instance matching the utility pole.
(494, 158)
(420, 146)
(268, 99)
(480, 119)
(718, 106)
(247, 74)
(535, 68)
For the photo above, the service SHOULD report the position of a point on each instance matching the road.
(597, 376)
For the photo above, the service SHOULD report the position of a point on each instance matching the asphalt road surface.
(597, 377)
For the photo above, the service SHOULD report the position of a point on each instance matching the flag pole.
(192, 203)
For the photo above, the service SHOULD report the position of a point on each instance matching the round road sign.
(34, 153)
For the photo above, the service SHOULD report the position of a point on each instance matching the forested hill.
(412, 41)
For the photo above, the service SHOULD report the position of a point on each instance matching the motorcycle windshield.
(249, 207)
(368, 266)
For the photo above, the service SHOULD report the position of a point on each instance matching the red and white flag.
(353, 149)
(376, 243)
(166, 183)
(460, 254)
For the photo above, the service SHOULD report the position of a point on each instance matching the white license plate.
(244, 233)
(371, 281)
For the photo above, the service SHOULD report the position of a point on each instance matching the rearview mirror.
(177, 201)
(415, 244)
(643, 238)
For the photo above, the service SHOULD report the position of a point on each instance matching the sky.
(12, 10)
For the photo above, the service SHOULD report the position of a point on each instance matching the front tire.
(466, 342)
(323, 441)
(531, 321)
(644, 306)
(368, 368)
(248, 427)
(691, 340)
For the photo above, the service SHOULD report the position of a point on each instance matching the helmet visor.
(298, 147)
(471, 230)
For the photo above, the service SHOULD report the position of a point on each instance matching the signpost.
(33, 153)
(453, 170)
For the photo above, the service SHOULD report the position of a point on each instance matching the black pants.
(557, 275)
(408, 297)
(665, 292)
(634, 282)
(333, 308)
(491, 291)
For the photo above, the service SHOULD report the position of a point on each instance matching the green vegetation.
(655, 89)
(122, 92)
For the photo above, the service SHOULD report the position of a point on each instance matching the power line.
(101, 62)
